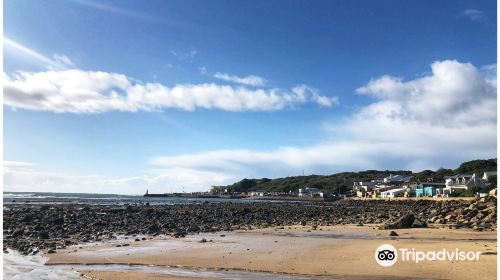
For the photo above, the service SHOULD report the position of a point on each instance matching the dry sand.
(336, 251)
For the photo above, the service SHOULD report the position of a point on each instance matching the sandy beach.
(340, 252)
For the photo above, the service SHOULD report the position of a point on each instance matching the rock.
(18, 232)
(481, 207)
(493, 193)
(417, 223)
(472, 213)
(178, 234)
(490, 218)
(43, 235)
(393, 233)
(153, 228)
(404, 222)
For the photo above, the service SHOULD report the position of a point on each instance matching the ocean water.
(104, 199)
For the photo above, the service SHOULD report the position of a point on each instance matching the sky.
(120, 96)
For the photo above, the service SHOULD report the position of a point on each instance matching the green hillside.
(342, 182)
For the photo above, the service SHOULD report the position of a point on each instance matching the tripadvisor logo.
(387, 255)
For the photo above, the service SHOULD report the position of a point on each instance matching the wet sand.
(342, 252)
(111, 275)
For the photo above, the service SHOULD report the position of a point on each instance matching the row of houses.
(305, 192)
(402, 186)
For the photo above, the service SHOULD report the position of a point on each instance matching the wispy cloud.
(474, 15)
(57, 62)
(185, 56)
(203, 70)
(91, 92)
(251, 80)
(62, 59)
(118, 10)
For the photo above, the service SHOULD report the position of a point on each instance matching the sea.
(105, 199)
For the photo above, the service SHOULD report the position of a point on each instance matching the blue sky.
(117, 96)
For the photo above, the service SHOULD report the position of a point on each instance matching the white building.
(310, 192)
(258, 193)
(366, 186)
(393, 193)
(462, 182)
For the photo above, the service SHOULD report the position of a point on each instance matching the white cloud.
(62, 59)
(77, 91)
(456, 94)
(306, 92)
(248, 80)
(474, 15)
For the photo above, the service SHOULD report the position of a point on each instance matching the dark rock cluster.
(480, 214)
(32, 228)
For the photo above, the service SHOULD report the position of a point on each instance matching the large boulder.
(404, 222)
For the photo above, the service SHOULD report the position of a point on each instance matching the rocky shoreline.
(30, 229)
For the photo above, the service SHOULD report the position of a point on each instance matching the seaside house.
(378, 179)
(378, 189)
(430, 189)
(363, 189)
(462, 182)
(399, 192)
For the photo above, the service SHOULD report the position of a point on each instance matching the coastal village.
(475, 178)
(402, 186)
(392, 186)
